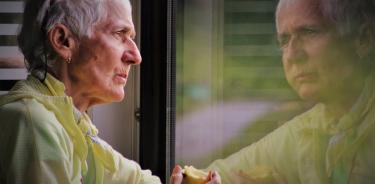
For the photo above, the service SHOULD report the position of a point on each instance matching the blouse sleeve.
(128, 171)
(272, 155)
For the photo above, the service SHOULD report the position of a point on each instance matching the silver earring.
(69, 60)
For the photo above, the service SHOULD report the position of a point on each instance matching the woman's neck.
(341, 103)
(79, 100)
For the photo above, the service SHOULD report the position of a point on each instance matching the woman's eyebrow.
(126, 29)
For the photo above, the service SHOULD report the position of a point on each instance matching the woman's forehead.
(119, 6)
(303, 11)
(118, 14)
(305, 6)
(119, 9)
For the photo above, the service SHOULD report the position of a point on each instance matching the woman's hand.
(177, 177)
(213, 178)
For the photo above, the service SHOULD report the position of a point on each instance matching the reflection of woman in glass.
(328, 53)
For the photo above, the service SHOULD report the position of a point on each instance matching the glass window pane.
(231, 88)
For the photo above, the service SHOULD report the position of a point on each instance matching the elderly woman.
(79, 54)
(328, 57)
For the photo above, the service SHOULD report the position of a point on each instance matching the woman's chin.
(117, 96)
(308, 94)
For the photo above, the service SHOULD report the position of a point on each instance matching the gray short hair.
(80, 16)
(346, 15)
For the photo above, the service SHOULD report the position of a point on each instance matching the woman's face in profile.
(318, 64)
(101, 65)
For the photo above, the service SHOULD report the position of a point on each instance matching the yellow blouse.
(44, 139)
(312, 148)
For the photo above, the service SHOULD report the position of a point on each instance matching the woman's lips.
(306, 77)
(121, 78)
(123, 75)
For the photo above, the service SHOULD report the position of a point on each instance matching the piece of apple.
(193, 175)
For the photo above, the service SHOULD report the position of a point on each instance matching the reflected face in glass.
(102, 63)
(318, 63)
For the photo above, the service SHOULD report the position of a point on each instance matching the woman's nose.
(295, 51)
(131, 54)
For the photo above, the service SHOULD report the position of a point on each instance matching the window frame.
(157, 99)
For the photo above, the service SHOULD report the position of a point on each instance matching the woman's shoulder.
(28, 112)
(30, 122)
(290, 130)
(26, 123)
(305, 119)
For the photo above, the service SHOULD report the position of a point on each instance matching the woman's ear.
(365, 40)
(62, 41)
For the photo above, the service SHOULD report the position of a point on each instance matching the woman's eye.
(123, 35)
(119, 33)
(310, 31)
(283, 40)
